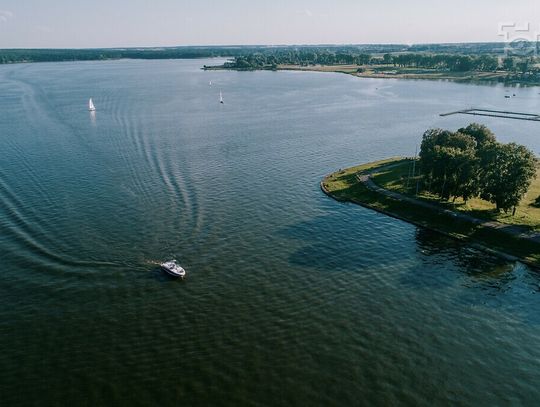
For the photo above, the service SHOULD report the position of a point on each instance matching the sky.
(133, 23)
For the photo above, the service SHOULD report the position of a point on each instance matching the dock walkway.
(496, 113)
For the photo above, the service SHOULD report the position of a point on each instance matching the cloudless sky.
(118, 23)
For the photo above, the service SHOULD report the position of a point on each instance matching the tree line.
(313, 53)
(454, 63)
(471, 163)
(58, 55)
(270, 59)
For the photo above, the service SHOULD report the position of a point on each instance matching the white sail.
(220, 97)
(91, 106)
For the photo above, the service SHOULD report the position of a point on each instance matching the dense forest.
(57, 55)
(451, 62)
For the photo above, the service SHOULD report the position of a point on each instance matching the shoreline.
(446, 222)
(470, 77)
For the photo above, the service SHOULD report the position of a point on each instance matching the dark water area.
(291, 298)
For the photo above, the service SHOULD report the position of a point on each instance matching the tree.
(481, 134)
(523, 66)
(488, 63)
(449, 163)
(508, 64)
(470, 162)
(509, 172)
(462, 64)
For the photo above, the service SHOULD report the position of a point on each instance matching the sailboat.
(91, 106)
(220, 97)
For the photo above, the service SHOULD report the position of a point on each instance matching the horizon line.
(260, 45)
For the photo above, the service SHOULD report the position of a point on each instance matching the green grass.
(344, 186)
(527, 214)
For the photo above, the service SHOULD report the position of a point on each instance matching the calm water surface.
(291, 298)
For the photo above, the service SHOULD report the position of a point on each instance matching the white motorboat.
(173, 269)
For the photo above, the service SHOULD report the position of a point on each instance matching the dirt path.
(516, 231)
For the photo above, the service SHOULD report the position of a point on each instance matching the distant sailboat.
(220, 97)
(91, 106)
(210, 83)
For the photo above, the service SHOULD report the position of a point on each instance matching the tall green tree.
(508, 64)
(387, 59)
(481, 134)
(449, 163)
(509, 171)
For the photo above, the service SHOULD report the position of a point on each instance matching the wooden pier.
(497, 113)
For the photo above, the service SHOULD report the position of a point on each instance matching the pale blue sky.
(114, 23)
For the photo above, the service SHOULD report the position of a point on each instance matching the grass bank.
(389, 71)
(399, 179)
(391, 174)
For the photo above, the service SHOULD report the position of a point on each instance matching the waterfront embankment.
(358, 185)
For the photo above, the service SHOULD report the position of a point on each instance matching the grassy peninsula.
(467, 207)
(345, 186)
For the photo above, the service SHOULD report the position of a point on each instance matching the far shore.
(390, 72)
(358, 185)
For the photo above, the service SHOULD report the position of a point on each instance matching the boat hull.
(173, 273)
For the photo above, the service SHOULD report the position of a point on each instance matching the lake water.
(291, 298)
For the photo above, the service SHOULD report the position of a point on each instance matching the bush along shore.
(465, 185)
